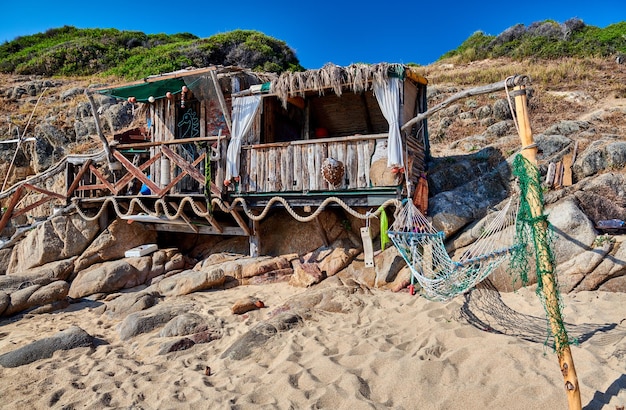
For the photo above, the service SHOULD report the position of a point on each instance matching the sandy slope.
(377, 349)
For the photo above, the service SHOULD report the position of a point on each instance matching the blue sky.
(322, 31)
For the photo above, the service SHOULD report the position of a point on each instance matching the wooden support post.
(566, 361)
(255, 239)
(6, 216)
(222, 101)
(96, 116)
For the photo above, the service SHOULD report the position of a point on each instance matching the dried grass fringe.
(359, 77)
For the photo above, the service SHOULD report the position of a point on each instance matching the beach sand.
(363, 349)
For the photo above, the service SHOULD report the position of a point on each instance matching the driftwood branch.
(485, 89)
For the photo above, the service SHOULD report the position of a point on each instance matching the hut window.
(282, 124)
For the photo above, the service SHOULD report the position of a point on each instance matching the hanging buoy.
(151, 99)
(169, 95)
(132, 100)
(185, 89)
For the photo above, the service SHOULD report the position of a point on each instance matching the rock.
(127, 303)
(41, 275)
(334, 258)
(260, 334)
(573, 271)
(71, 338)
(280, 275)
(244, 305)
(610, 269)
(501, 110)
(189, 281)
(575, 233)
(125, 273)
(306, 274)
(36, 295)
(176, 345)
(567, 127)
(59, 238)
(403, 279)
(261, 266)
(145, 321)
(182, 325)
(5, 301)
(113, 242)
(499, 129)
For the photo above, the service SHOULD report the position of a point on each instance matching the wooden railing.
(296, 166)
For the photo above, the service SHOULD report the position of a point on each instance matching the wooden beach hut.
(216, 147)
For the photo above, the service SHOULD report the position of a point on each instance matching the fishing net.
(535, 235)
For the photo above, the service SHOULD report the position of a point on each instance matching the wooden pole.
(96, 116)
(566, 361)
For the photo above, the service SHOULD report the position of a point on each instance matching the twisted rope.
(161, 208)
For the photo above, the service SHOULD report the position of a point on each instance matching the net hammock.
(423, 248)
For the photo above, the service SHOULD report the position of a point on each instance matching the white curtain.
(388, 97)
(244, 109)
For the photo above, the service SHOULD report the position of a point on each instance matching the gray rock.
(499, 129)
(127, 303)
(501, 110)
(146, 321)
(36, 295)
(567, 127)
(575, 233)
(182, 325)
(71, 338)
(260, 334)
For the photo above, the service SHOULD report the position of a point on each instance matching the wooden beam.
(222, 101)
(209, 218)
(77, 178)
(101, 177)
(44, 191)
(545, 266)
(184, 217)
(129, 176)
(136, 172)
(242, 224)
(518, 80)
(6, 216)
(96, 116)
(168, 142)
(178, 178)
(32, 206)
(192, 171)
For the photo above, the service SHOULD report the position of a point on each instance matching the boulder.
(125, 303)
(610, 269)
(575, 233)
(71, 338)
(306, 274)
(146, 321)
(260, 334)
(333, 258)
(61, 237)
(113, 242)
(36, 295)
(189, 281)
(41, 275)
(125, 273)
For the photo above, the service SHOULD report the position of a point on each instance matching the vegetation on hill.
(69, 51)
(544, 40)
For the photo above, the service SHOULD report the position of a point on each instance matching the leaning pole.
(545, 262)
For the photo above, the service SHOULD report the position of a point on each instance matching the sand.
(373, 350)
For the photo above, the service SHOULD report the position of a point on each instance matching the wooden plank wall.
(297, 166)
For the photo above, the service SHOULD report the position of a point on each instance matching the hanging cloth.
(388, 96)
(244, 110)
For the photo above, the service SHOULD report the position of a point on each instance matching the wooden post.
(566, 361)
(96, 116)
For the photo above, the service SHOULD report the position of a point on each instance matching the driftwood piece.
(485, 89)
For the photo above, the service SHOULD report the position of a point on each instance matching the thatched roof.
(357, 77)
